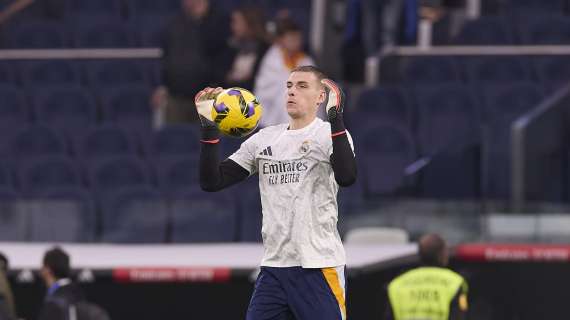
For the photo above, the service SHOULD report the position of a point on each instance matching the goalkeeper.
(300, 165)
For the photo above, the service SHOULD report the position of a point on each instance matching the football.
(236, 112)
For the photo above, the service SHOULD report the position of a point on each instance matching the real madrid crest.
(305, 146)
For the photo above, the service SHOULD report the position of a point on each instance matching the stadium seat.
(448, 133)
(390, 104)
(14, 218)
(177, 174)
(134, 215)
(429, 70)
(532, 7)
(42, 173)
(151, 29)
(141, 8)
(249, 216)
(37, 35)
(103, 34)
(43, 73)
(509, 101)
(6, 175)
(8, 74)
(544, 29)
(203, 217)
(105, 176)
(36, 140)
(553, 70)
(63, 214)
(386, 146)
(106, 140)
(128, 106)
(497, 69)
(486, 30)
(78, 10)
(71, 109)
(14, 112)
(174, 140)
(113, 73)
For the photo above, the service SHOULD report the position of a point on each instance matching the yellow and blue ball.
(236, 112)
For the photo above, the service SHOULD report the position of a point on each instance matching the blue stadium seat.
(151, 30)
(128, 106)
(174, 140)
(497, 69)
(37, 35)
(69, 108)
(6, 175)
(544, 29)
(249, 211)
(134, 215)
(36, 140)
(390, 104)
(78, 10)
(107, 175)
(486, 30)
(506, 102)
(430, 70)
(141, 8)
(66, 214)
(103, 34)
(14, 219)
(177, 174)
(42, 173)
(14, 111)
(386, 146)
(553, 70)
(49, 72)
(112, 73)
(204, 217)
(7, 73)
(532, 7)
(104, 141)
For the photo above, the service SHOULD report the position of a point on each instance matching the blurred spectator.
(7, 309)
(249, 42)
(283, 56)
(430, 292)
(62, 293)
(195, 55)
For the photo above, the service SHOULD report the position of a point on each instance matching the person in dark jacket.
(195, 55)
(62, 292)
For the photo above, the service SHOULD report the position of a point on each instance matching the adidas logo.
(266, 152)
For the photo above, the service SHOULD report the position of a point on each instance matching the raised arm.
(214, 175)
(342, 158)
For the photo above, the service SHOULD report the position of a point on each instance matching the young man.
(300, 166)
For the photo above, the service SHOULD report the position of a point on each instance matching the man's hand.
(204, 101)
(335, 99)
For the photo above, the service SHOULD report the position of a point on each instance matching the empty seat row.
(139, 214)
(95, 73)
(99, 141)
(72, 108)
(476, 70)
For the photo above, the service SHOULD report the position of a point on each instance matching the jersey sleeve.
(245, 155)
(349, 137)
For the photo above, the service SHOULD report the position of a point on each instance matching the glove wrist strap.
(210, 135)
(337, 124)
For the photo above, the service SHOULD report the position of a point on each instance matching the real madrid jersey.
(298, 194)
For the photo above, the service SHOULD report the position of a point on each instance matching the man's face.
(195, 8)
(292, 42)
(304, 94)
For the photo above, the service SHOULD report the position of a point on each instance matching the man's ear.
(322, 96)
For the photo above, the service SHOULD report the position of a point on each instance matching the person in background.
(430, 292)
(283, 56)
(7, 308)
(249, 42)
(61, 292)
(195, 55)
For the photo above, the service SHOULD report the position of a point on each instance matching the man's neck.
(295, 124)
